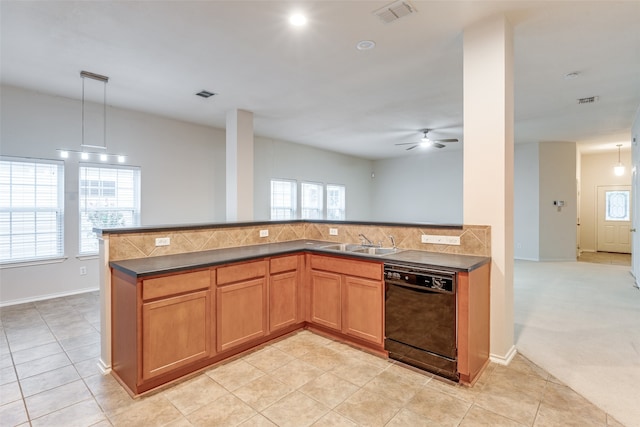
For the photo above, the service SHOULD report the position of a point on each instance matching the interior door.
(614, 218)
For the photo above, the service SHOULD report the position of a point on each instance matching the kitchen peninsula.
(218, 290)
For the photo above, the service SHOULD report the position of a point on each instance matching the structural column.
(488, 162)
(239, 172)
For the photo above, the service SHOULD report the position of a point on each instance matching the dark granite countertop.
(178, 227)
(142, 267)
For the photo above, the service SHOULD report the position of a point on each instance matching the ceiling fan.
(426, 142)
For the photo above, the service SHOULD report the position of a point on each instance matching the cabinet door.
(283, 300)
(362, 310)
(175, 332)
(326, 299)
(241, 313)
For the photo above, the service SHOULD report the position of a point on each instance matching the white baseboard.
(504, 360)
(525, 259)
(104, 368)
(44, 297)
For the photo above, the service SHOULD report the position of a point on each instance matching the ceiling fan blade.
(445, 140)
(435, 144)
(405, 143)
(411, 148)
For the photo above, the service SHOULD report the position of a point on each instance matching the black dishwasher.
(420, 318)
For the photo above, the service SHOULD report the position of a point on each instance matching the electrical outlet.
(333, 232)
(163, 241)
(83, 271)
(264, 233)
(440, 240)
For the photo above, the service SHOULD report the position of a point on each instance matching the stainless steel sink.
(342, 247)
(377, 251)
(359, 249)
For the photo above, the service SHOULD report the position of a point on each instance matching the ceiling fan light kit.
(425, 141)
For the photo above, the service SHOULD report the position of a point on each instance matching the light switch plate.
(333, 232)
(440, 240)
(264, 233)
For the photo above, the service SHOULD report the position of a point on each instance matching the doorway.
(614, 219)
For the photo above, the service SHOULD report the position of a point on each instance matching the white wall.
(558, 182)
(182, 172)
(278, 159)
(597, 170)
(526, 216)
(421, 187)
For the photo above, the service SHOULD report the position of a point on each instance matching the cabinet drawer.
(282, 264)
(239, 272)
(178, 283)
(351, 267)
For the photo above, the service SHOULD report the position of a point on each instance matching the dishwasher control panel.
(443, 281)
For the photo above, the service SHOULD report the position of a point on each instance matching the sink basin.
(343, 247)
(359, 249)
(377, 251)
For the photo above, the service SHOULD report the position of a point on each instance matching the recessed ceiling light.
(365, 45)
(297, 19)
(572, 75)
(205, 93)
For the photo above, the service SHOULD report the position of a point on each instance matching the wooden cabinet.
(284, 292)
(160, 325)
(176, 321)
(175, 332)
(363, 309)
(347, 295)
(241, 310)
(326, 299)
(473, 323)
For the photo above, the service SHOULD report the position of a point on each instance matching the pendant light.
(94, 150)
(618, 169)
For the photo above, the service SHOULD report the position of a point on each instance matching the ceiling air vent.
(395, 10)
(589, 100)
(205, 93)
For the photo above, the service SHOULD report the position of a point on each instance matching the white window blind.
(31, 209)
(283, 199)
(109, 198)
(311, 200)
(336, 209)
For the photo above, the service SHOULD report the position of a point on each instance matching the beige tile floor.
(49, 377)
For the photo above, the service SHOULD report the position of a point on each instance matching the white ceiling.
(312, 86)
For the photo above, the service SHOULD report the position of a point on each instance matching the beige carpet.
(581, 323)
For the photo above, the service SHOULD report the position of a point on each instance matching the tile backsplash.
(474, 240)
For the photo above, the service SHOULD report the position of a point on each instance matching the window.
(31, 209)
(335, 202)
(283, 199)
(311, 200)
(617, 206)
(109, 198)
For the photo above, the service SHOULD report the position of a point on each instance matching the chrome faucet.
(393, 241)
(365, 240)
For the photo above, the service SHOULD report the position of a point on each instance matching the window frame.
(58, 243)
(344, 202)
(293, 207)
(319, 210)
(134, 207)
